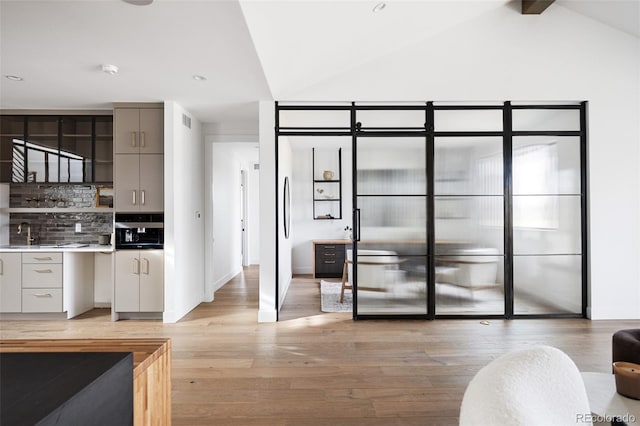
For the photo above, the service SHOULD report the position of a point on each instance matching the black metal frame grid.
(355, 130)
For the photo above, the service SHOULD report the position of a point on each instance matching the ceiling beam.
(535, 7)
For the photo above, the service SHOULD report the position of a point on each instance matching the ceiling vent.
(186, 120)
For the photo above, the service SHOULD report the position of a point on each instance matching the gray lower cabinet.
(139, 281)
(329, 259)
(31, 282)
(41, 282)
(10, 282)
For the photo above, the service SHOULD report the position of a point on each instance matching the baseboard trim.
(225, 279)
(269, 315)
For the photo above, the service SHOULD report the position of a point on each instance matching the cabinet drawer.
(42, 276)
(42, 300)
(41, 257)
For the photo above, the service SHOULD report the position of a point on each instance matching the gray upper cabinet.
(139, 130)
(139, 183)
(139, 159)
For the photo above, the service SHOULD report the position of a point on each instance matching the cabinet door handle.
(133, 199)
(1, 267)
(134, 141)
(142, 140)
(43, 258)
(42, 295)
(142, 196)
(136, 266)
(43, 271)
(145, 266)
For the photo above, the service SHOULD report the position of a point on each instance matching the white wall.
(253, 212)
(285, 243)
(267, 310)
(184, 213)
(559, 55)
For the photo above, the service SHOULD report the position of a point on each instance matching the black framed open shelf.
(327, 185)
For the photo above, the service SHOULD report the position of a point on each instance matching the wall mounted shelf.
(327, 184)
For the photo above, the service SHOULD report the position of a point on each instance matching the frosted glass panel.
(545, 119)
(546, 224)
(468, 166)
(391, 118)
(547, 284)
(402, 219)
(546, 165)
(391, 166)
(391, 284)
(469, 285)
(468, 120)
(315, 118)
(469, 223)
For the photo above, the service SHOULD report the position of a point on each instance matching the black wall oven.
(135, 231)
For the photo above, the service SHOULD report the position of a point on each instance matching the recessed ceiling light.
(379, 7)
(14, 77)
(197, 77)
(109, 69)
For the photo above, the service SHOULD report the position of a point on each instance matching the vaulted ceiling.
(248, 50)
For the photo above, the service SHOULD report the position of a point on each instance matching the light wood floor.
(324, 369)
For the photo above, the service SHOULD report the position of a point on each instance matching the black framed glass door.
(390, 217)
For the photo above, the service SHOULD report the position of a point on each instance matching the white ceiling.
(249, 50)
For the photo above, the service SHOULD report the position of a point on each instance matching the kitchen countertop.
(69, 247)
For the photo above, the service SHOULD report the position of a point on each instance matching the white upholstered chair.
(537, 386)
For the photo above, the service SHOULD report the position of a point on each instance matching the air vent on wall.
(186, 120)
(256, 166)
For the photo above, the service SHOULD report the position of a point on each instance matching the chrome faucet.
(30, 239)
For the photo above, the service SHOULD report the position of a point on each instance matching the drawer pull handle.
(43, 271)
(329, 261)
(43, 258)
(329, 247)
(42, 295)
(330, 254)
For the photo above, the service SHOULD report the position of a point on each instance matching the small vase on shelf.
(327, 175)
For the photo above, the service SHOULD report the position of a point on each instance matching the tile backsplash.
(57, 227)
(30, 195)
